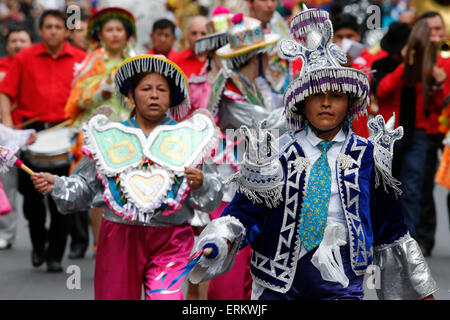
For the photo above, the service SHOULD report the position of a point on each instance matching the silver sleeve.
(404, 272)
(76, 192)
(234, 114)
(227, 227)
(208, 197)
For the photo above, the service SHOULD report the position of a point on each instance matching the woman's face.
(326, 111)
(152, 97)
(113, 35)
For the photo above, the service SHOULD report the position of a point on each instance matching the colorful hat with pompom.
(217, 28)
(104, 15)
(312, 33)
(245, 39)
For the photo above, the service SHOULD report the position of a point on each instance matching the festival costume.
(95, 74)
(278, 72)
(235, 101)
(298, 253)
(200, 86)
(140, 183)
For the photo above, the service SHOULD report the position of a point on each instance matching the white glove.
(327, 257)
(213, 264)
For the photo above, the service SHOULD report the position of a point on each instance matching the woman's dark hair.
(54, 13)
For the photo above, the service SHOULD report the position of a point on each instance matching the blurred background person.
(16, 40)
(163, 38)
(78, 35)
(190, 62)
(426, 227)
(111, 33)
(277, 72)
(39, 79)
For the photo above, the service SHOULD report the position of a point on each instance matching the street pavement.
(20, 281)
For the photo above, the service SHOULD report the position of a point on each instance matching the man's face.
(162, 40)
(78, 35)
(197, 29)
(262, 9)
(17, 41)
(53, 31)
(437, 28)
(345, 33)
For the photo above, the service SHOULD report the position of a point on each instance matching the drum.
(51, 148)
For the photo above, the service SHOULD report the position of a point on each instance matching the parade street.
(20, 281)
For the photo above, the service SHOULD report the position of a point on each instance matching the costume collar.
(167, 121)
(314, 140)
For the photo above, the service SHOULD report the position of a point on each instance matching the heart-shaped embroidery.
(146, 189)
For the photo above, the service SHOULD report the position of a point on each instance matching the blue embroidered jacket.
(373, 215)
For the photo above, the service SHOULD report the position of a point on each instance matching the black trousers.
(79, 230)
(427, 226)
(54, 239)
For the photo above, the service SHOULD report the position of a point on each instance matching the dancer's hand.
(194, 178)
(43, 182)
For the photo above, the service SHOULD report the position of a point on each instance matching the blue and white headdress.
(312, 34)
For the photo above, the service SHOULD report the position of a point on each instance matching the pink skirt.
(131, 257)
(236, 284)
(5, 205)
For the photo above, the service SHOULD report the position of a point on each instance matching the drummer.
(39, 79)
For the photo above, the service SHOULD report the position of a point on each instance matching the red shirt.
(40, 84)
(173, 54)
(188, 62)
(5, 63)
(389, 97)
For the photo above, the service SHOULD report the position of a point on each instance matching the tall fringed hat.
(217, 28)
(102, 16)
(178, 83)
(246, 38)
(312, 33)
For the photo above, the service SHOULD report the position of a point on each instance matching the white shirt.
(309, 143)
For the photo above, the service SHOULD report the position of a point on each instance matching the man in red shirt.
(163, 38)
(191, 63)
(16, 40)
(40, 80)
(414, 165)
(426, 227)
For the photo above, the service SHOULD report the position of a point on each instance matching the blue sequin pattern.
(316, 200)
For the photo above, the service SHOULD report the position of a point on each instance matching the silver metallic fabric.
(83, 190)
(404, 272)
(233, 114)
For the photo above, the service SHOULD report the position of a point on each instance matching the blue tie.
(316, 200)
